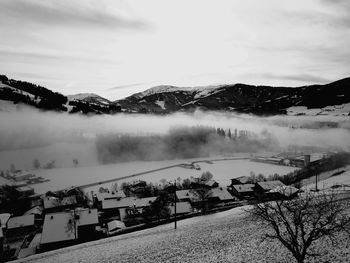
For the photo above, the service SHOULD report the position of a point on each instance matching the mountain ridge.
(164, 99)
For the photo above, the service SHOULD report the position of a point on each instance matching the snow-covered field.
(223, 237)
(223, 171)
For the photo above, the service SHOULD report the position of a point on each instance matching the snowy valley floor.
(223, 237)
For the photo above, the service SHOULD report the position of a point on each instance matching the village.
(36, 223)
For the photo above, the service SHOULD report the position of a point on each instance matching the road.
(183, 165)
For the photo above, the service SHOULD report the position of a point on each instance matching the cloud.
(129, 85)
(66, 13)
(29, 56)
(299, 77)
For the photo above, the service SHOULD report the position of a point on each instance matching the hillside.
(222, 237)
(21, 92)
(243, 98)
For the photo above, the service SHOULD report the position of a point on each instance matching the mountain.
(328, 99)
(90, 98)
(261, 100)
(21, 92)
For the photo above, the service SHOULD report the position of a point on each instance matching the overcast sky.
(116, 48)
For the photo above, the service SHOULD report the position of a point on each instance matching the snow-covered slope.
(331, 110)
(332, 98)
(89, 97)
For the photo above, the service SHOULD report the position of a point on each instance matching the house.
(21, 175)
(66, 228)
(114, 207)
(86, 221)
(220, 195)
(99, 197)
(284, 192)
(58, 230)
(25, 191)
(105, 196)
(262, 189)
(243, 190)
(181, 208)
(188, 195)
(241, 180)
(53, 204)
(199, 183)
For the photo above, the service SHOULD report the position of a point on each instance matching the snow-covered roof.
(20, 221)
(285, 190)
(186, 194)
(115, 224)
(58, 227)
(221, 193)
(127, 202)
(4, 218)
(63, 226)
(86, 217)
(104, 196)
(36, 210)
(268, 185)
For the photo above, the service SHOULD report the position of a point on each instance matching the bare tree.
(202, 196)
(298, 223)
(36, 163)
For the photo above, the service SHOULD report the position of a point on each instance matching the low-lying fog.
(29, 128)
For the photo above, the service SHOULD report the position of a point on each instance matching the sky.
(116, 47)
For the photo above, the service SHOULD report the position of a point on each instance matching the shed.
(181, 208)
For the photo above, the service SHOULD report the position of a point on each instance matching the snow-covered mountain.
(329, 99)
(14, 93)
(89, 97)
(241, 98)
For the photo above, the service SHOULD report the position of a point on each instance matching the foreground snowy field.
(223, 237)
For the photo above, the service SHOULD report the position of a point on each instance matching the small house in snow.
(262, 189)
(114, 207)
(65, 228)
(241, 180)
(243, 191)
